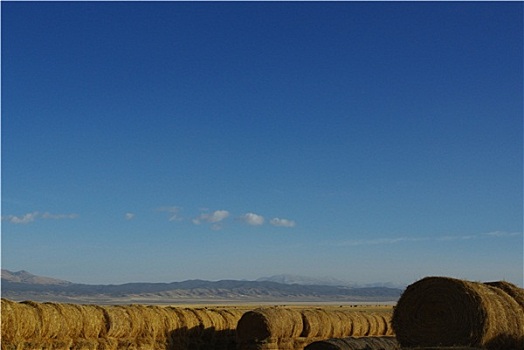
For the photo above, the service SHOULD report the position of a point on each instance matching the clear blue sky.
(165, 141)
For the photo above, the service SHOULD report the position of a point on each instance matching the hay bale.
(29, 322)
(190, 324)
(318, 323)
(10, 320)
(514, 291)
(93, 320)
(151, 324)
(333, 323)
(360, 324)
(52, 323)
(351, 343)
(120, 322)
(73, 318)
(231, 318)
(441, 311)
(272, 322)
(343, 325)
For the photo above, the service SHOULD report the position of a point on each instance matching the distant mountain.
(326, 281)
(26, 277)
(21, 286)
(304, 280)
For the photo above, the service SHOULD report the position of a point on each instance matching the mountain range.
(23, 285)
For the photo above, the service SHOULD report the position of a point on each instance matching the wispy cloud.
(173, 213)
(47, 215)
(375, 241)
(396, 240)
(282, 222)
(214, 217)
(30, 217)
(501, 234)
(252, 219)
(129, 216)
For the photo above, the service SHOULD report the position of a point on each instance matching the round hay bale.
(384, 324)
(206, 322)
(93, 321)
(514, 291)
(150, 325)
(360, 324)
(172, 323)
(119, 322)
(272, 322)
(53, 324)
(317, 323)
(350, 343)
(442, 311)
(231, 317)
(73, 318)
(158, 324)
(190, 323)
(343, 326)
(10, 320)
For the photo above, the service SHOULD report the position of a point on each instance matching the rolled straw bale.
(93, 321)
(158, 323)
(9, 321)
(360, 324)
(514, 291)
(120, 323)
(381, 324)
(351, 343)
(343, 326)
(73, 319)
(53, 324)
(317, 323)
(263, 323)
(442, 311)
(29, 322)
(384, 322)
(151, 325)
(231, 317)
(171, 320)
(206, 322)
(189, 322)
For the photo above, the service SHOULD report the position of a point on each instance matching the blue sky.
(166, 141)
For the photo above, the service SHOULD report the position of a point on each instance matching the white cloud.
(24, 219)
(30, 217)
(47, 215)
(446, 238)
(129, 216)
(502, 234)
(282, 222)
(173, 213)
(253, 219)
(375, 241)
(215, 217)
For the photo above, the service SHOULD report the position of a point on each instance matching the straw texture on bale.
(271, 322)
(52, 321)
(325, 323)
(442, 311)
(514, 291)
(351, 343)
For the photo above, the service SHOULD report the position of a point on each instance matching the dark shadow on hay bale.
(442, 311)
(354, 343)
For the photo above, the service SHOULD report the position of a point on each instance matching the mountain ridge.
(44, 288)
